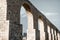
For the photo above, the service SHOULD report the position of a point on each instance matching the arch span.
(30, 29)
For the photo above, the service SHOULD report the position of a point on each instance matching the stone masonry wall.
(11, 29)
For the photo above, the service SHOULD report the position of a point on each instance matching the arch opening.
(26, 19)
(41, 28)
(23, 20)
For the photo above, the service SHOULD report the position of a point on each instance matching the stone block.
(3, 9)
(31, 34)
(4, 30)
(15, 31)
(49, 36)
(42, 35)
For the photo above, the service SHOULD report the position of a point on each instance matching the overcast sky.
(50, 8)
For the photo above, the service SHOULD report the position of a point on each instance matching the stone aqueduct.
(11, 29)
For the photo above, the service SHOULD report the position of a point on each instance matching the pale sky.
(50, 8)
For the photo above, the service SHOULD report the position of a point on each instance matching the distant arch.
(41, 27)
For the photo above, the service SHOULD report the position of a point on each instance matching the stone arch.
(41, 27)
(30, 31)
(27, 7)
(41, 22)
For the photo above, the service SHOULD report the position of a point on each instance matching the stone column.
(46, 29)
(49, 32)
(15, 31)
(13, 15)
(4, 30)
(55, 35)
(37, 33)
(41, 28)
(31, 34)
(58, 36)
(4, 24)
(52, 35)
(31, 30)
(36, 27)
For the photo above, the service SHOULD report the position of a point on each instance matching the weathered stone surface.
(3, 9)
(37, 34)
(15, 31)
(42, 35)
(13, 10)
(49, 36)
(12, 30)
(58, 37)
(31, 34)
(41, 28)
(4, 30)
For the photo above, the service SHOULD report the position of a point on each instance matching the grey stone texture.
(15, 32)
(11, 29)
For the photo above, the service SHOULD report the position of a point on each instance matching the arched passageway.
(23, 20)
(26, 19)
(41, 28)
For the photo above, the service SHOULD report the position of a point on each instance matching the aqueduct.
(11, 29)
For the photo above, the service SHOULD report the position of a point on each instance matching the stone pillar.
(52, 35)
(13, 10)
(58, 36)
(41, 28)
(55, 35)
(37, 33)
(31, 34)
(46, 29)
(3, 10)
(31, 30)
(4, 30)
(49, 32)
(36, 27)
(4, 24)
(13, 15)
(15, 31)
